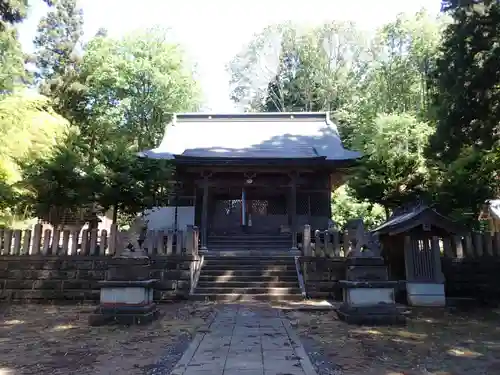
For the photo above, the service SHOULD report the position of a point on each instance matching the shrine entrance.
(248, 210)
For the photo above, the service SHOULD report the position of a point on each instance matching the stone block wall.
(321, 275)
(75, 277)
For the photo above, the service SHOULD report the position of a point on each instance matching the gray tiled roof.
(252, 135)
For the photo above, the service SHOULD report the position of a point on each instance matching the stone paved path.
(246, 340)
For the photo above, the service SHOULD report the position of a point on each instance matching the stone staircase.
(251, 241)
(248, 278)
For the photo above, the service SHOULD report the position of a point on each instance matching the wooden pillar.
(204, 215)
(293, 208)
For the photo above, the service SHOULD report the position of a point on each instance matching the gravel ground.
(434, 342)
(320, 361)
(38, 339)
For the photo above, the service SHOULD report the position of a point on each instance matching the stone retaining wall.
(321, 275)
(75, 277)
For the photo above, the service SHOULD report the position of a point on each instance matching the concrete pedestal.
(125, 302)
(369, 302)
(369, 297)
(425, 294)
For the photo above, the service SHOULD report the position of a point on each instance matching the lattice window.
(277, 206)
(259, 207)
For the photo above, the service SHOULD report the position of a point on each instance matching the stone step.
(249, 245)
(257, 278)
(249, 236)
(235, 297)
(247, 284)
(249, 267)
(249, 239)
(272, 291)
(271, 253)
(234, 261)
(246, 272)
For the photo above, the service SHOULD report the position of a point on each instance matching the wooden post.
(409, 261)
(457, 244)
(113, 233)
(196, 235)
(170, 241)
(436, 260)
(46, 241)
(160, 235)
(317, 243)
(85, 241)
(74, 242)
(347, 243)
(103, 242)
(293, 208)
(26, 242)
(478, 244)
(204, 215)
(496, 246)
(65, 242)
(7, 241)
(328, 245)
(336, 244)
(37, 239)
(447, 249)
(306, 241)
(468, 248)
(16, 249)
(179, 241)
(54, 249)
(93, 242)
(189, 240)
(488, 243)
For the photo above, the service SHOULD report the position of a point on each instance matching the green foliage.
(467, 183)
(394, 171)
(136, 83)
(56, 41)
(359, 80)
(63, 181)
(346, 207)
(119, 95)
(28, 126)
(466, 80)
(130, 184)
(12, 71)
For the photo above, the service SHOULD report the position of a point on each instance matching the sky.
(213, 31)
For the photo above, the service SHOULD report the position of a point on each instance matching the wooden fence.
(334, 244)
(91, 242)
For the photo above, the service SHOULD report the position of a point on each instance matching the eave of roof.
(254, 136)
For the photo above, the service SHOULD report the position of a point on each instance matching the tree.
(119, 97)
(29, 127)
(289, 68)
(56, 41)
(466, 97)
(12, 70)
(136, 83)
(346, 207)
(14, 11)
(394, 171)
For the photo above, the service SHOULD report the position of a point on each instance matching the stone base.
(425, 294)
(126, 315)
(381, 314)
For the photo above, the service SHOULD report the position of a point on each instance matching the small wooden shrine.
(419, 222)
